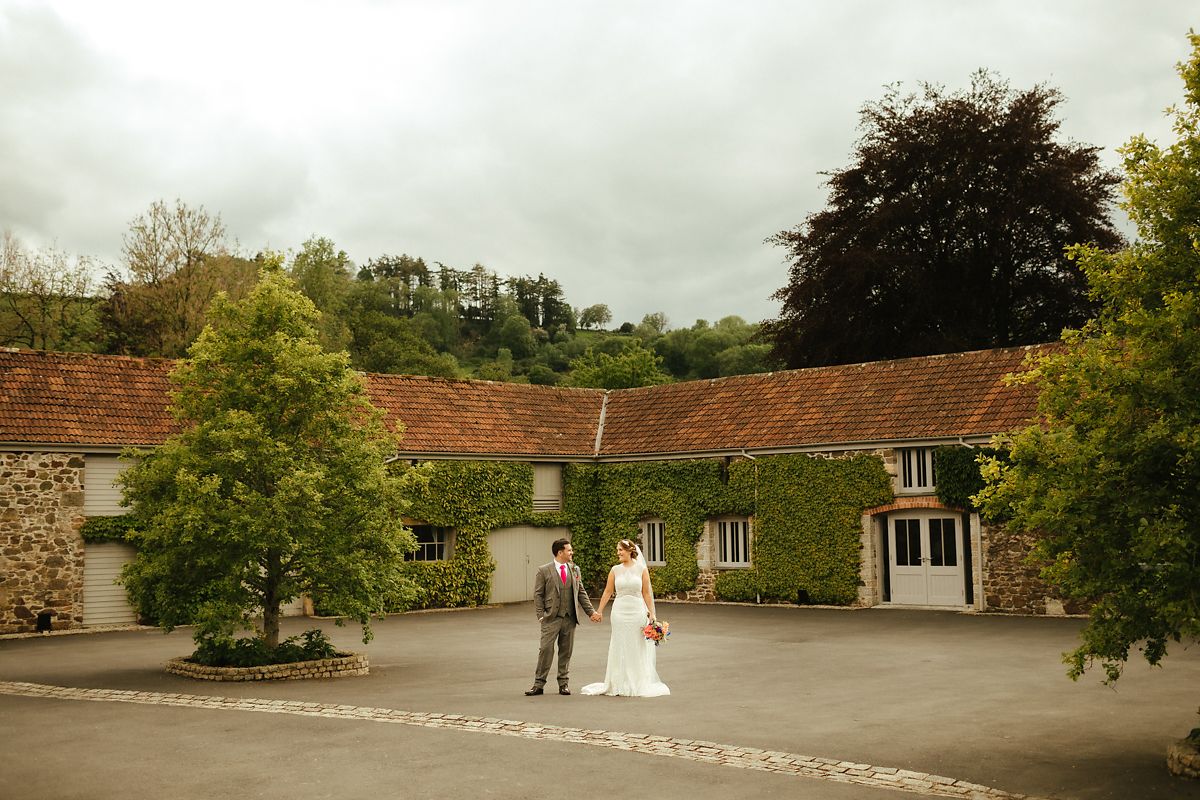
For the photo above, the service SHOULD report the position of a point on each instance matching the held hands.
(596, 616)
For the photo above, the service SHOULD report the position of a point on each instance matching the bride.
(631, 670)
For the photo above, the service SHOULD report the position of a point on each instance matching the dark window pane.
(935, 543)
(950, 543)
(914, 542)
(431, 544)
(908, 543)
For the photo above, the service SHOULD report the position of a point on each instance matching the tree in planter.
(275, 486)
(1108, 477)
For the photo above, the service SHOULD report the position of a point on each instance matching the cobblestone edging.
(341, 667)
(1183, 759)
(709, 752)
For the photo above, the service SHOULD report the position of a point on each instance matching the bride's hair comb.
(629, 545)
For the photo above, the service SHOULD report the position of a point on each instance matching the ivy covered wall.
(808, 523)
(958, 475)
(603, 503)
(474, 498)
(807, 514)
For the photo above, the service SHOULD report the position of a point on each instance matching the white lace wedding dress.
(632, 670)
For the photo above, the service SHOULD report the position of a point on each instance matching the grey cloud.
(639, 153)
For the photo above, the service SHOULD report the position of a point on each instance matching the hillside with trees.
(394, 314)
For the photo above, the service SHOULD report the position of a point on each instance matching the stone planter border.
(1183, 759)
(340, 667)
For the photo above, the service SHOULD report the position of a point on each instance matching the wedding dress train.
(632, 670)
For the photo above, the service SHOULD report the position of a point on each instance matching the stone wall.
(41, 552)
(705, 590)
(1010, 583)
(344, 666)
(1183, 759)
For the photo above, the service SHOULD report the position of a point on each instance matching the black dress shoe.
(563, 690)
(533, 691)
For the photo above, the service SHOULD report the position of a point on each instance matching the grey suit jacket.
(546, 592)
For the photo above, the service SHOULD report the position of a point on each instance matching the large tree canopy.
(947, 233)
(275, 486)
(1110, 478)
(176, 261)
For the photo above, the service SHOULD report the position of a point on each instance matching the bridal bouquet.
(656, 631)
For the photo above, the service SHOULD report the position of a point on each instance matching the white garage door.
(518, 552)
(104, 601)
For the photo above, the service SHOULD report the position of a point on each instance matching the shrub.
(253, 651)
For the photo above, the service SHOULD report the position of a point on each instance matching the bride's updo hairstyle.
(629, 546)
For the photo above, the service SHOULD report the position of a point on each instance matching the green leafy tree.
(323, 273)
(651, 327)
(634, 366)
(516, 335)
(275, 486)
(498, 369)
(542, 375)
(45, 298)
(947, 233)
(384, 340)
(176, 261)
(1109, 476)
(744, 359)
(596, 316)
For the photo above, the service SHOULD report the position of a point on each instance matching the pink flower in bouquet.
(656, 631)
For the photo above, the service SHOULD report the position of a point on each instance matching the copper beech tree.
(947, 233)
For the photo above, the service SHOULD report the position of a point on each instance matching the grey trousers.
(560, 630)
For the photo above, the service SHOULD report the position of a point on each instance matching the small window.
(653, 531)
(916, 469)
(733, 543)
(547, 487)
(433, 543)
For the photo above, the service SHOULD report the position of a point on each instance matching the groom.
(559, 600)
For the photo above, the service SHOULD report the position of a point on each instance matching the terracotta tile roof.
(961, 394)
(76, 398)
(462, 416)
(72, 398)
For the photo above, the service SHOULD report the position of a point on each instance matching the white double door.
(926, 559)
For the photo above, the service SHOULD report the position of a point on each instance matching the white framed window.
(733, 543)
(433, 543)
(653, 531)
(916, 470)
(547, 487)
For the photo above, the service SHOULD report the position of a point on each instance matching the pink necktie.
(562, 571)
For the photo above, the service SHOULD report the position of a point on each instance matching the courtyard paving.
(766, 702)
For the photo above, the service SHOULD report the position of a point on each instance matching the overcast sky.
(638, 152)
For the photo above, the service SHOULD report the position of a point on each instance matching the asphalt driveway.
(973, 697)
